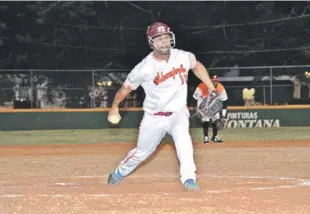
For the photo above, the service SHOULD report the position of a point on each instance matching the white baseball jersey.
(164, 83)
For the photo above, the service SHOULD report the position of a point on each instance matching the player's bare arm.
(201, 73)
(120, 95)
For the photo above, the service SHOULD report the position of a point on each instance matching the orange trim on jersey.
(205, 91)
(160, 77)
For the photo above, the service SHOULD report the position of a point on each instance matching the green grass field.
(130, 135)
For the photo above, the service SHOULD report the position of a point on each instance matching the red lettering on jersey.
(160, 78)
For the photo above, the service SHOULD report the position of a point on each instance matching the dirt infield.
(235, 177)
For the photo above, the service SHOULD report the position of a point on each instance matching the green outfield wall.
(96, 119)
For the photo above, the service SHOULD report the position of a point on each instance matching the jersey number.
(183, 77)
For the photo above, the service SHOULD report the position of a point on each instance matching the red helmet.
(156, 29)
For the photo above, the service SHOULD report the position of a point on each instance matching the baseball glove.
(210, 106)
(219, 123)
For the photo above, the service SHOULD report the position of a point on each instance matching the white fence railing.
(96, 88)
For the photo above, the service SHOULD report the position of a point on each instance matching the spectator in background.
(248, 96)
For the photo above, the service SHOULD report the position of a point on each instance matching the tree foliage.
(112, 34)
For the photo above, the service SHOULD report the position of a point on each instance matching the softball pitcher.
(163, 76)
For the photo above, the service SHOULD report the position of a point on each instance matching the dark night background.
(100, 35)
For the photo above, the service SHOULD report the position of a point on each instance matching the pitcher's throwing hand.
(114, 116)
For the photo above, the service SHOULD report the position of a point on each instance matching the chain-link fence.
(96, 88)
(273, 85)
